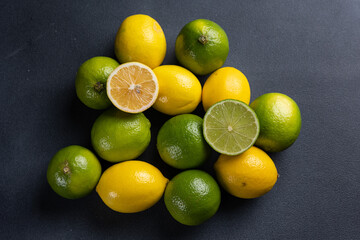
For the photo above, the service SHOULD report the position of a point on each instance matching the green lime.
(91, 80)
(73, 172)
(117, 136)
(180, 142)
(280, 121)
(202, 46)
(230, 127)
(192, 197)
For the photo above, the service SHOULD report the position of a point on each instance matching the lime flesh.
(231, 127)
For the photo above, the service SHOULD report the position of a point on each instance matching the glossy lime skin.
(180, 142)
(117, 136)
(73, 172)
(202, 46)
(192, 197)
(280, 121)
(91, 81)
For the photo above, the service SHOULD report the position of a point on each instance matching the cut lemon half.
(132, 87)
(230, 127)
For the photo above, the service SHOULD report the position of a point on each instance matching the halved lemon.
(132, 87)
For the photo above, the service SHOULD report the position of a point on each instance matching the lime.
(73, 172)
(131, 186)
(91, 80)
(179, 90)
(202, 46)
(247, 175)
(225, 83)
(140, 39)
(180, 142)
(280, 121)
(117, 136)
(192, 197)
(230, 127)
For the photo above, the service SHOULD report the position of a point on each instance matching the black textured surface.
(309, 50)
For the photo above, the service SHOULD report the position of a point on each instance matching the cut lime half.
(231, 127)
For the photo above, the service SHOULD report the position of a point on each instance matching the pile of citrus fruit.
(136, 81)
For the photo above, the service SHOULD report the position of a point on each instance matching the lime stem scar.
(99, 86)
(203, 40)
(66, 168)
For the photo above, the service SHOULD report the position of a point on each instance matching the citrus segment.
(132, 87)
(230, 127)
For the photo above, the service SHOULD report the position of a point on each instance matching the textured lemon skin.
(248, 175)
(131, 186)
(179, 90)
(140, 38)
(225, 83)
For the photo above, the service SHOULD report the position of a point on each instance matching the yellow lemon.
(179, 90)
(131, 186)
(140, 38)
(225, 83)
(248, 175)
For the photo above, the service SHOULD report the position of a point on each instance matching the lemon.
(225, 83)
(179, 90)
(202, 46)
(117, 136)
(132, 87)
(248, 175)
(131, 186)
(280, 121)
(140, 38)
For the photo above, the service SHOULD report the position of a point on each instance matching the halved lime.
(231, 127)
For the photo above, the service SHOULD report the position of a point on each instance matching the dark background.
(309, 50)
